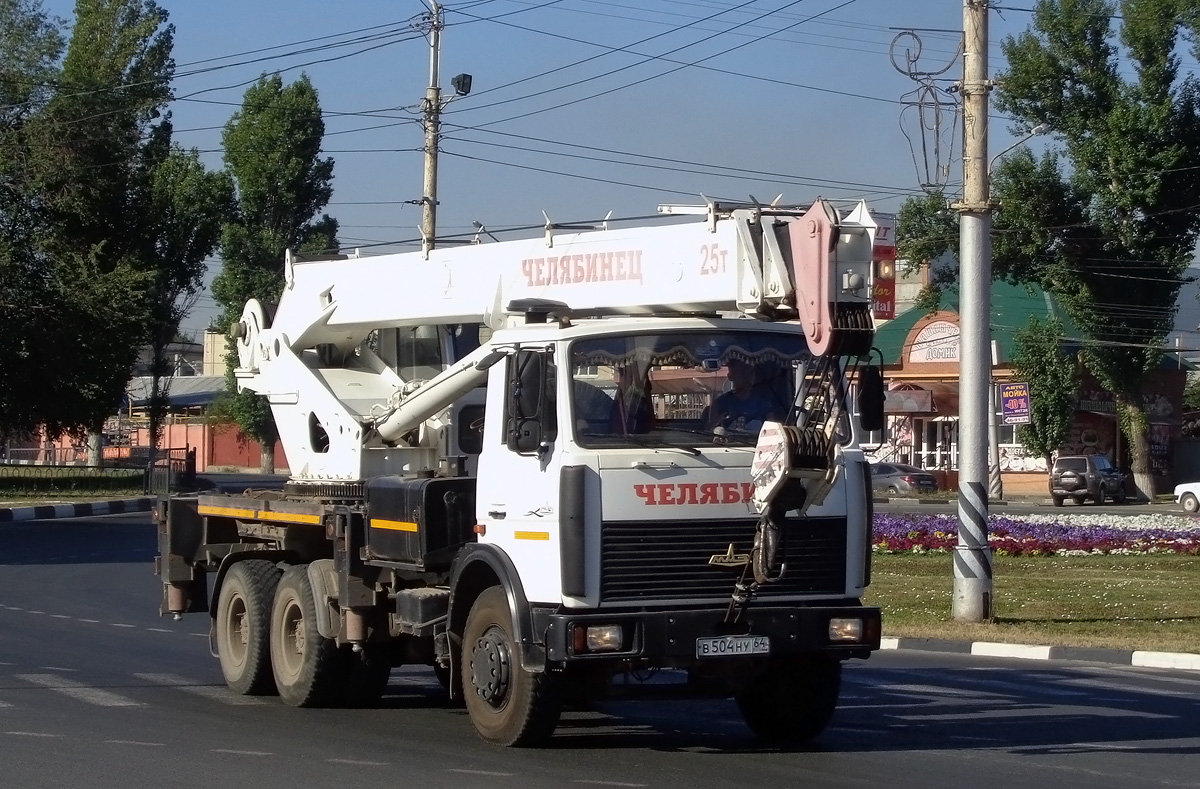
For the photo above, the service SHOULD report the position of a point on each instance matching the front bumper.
(669, 638)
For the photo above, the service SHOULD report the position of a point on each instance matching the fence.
(29, 479)
(173, 470)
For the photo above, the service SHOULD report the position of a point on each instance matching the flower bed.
(1044, 535)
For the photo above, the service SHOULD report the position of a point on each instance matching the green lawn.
(1122, 602)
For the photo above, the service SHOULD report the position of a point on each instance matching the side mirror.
(526, 436)
(870, 398)
(530, 421)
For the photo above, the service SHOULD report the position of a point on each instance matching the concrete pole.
(432, 112)
(972, 601)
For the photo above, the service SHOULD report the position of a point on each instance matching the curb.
(48, 511)
(1124, 657)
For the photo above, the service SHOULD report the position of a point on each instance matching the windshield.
(682, 388)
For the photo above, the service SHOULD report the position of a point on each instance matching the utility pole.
(972, 600)
(432, 115)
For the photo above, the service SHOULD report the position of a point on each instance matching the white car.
(1187, 496)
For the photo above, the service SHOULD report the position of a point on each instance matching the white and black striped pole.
(972, 601)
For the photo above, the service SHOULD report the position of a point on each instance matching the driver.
(744, 407)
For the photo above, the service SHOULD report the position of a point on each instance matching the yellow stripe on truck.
(531, 535)
(380, 523)
(225, 512)
(288, 517)
(260, 515)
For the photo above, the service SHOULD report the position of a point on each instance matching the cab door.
(517, 491)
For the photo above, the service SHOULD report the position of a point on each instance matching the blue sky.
(729, 98)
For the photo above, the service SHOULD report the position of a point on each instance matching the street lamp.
(1036, 131)
(995, 480)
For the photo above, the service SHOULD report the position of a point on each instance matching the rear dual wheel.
(242, 626)
(311, 670)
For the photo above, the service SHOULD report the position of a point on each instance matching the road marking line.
(61, 616)
(359, 762)
(31, 734)
(35, 612)
(56, 668)
(477, 772)
(242, 753)
(79, 691)
(118, 624)
(603, 783)
(135, 742)
(159, 630)
(205, 691)
(90, 621)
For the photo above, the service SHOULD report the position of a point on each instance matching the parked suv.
(1082, 477)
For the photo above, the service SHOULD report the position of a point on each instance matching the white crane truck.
(612, 525)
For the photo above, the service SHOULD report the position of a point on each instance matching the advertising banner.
(1014, 403)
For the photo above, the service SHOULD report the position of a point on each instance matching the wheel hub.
(491, 667)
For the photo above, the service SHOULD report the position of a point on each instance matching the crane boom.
(771, 263)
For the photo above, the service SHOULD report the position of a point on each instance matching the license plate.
(730, 646)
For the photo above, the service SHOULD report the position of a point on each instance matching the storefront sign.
(883, 256)
(936, 342)
(1014, 403)
(883, 298)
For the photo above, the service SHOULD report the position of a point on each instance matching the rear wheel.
(507, 705)
(1078, 500)
(1058, 501)
(793, 700)
(243, 626)
(1190, 503)
(893, 489)
(309, 669)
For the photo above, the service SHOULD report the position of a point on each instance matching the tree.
(1039, 358)
(93, 149)
(1107, 220)
(188, 207)
(926, 229)
(272, 152)
(30, 46)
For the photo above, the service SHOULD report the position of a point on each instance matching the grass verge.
(1118, 602)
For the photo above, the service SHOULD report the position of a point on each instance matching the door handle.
(497, 514)
(656, 465)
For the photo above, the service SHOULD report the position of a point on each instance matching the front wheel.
(793, 700)
(1058, 501)
(243, 626)
(507, 704)
(1100, 497)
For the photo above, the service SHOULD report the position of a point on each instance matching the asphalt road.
(97, 691)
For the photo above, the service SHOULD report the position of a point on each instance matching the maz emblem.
(730, 558)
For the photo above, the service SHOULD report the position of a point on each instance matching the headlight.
(845, 629)
(597, 638)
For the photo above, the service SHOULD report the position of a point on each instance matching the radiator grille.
(658, 560)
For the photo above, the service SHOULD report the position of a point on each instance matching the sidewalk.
(1136, 658)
